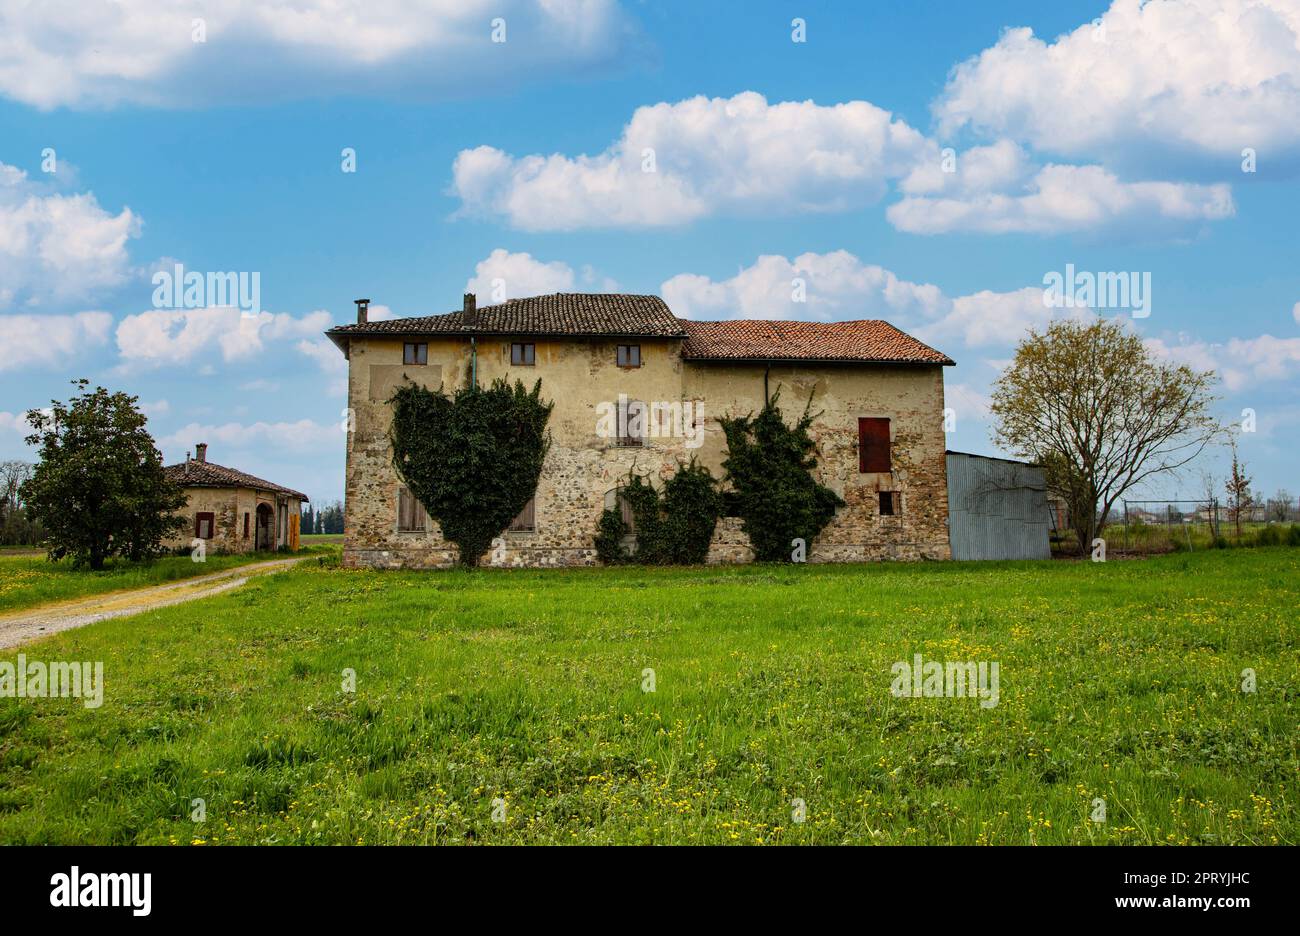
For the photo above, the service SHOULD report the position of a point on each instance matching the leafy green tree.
(472, 459)
(674, 527)
(99, 489)
(769, 467)
(1101, 414)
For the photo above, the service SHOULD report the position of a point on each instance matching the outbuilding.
(234, 512)
(997, 508)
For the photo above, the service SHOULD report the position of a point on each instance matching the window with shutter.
(889, 503)
(625, 510)
(631, 422)
(526, 522)
(411, 516)
(415, 353)
(523, 354)
(203, 524)
(629, 355)
(873, 445)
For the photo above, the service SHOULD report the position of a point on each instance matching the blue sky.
(1113, 146)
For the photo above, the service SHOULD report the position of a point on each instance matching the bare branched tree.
(1240, 500)
(14, 526)
(1280, 505)
(1101, 414)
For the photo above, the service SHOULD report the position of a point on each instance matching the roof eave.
(338, 336)
(723, 359)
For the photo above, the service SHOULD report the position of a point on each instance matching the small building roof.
(194, 473)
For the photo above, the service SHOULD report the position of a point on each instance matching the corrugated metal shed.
(997, 508)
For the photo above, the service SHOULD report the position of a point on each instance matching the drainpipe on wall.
(469, 318)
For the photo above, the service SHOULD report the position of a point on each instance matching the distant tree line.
(329, 519)
(16, 527)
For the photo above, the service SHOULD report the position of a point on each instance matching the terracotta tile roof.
(867, 340)
(615, 315)
(578, 314)
(206, 474)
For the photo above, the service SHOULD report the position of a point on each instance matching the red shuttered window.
(873, 444)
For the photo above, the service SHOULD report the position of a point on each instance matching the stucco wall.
(583, 467)
(228, 506)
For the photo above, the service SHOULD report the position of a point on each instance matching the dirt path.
(31, 623)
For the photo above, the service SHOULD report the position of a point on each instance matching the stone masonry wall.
(228, 506)
(910, 397)
(583, 469)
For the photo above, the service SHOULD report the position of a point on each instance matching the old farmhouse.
(635, 386)
(234, 512)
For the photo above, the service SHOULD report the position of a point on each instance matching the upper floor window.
(413, 353)
(631, 421)
(873, 445)
(629, 355)
(523, 355)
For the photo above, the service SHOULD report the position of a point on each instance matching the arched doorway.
(265, 530)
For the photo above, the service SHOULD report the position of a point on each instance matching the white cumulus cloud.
(678, 162)
(162, 337)
(330, 360)
(301, 435)
(14, 422)
(56, 247)
(832, 286)
(838, 286)
(1239, 362)
(503, 275)
(1062, 199)
(78, 54)
(1208, 77)
(44, 341)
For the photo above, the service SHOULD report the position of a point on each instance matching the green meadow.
(515, 707)
(29, 581)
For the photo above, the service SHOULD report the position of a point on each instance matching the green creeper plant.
(673, 526)
(769, 468)
(473, 459)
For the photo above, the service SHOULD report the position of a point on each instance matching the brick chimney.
(470, 315)
(363, 311)
(201, 452)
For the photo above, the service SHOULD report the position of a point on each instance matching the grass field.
(28, 581)
(520, 693)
